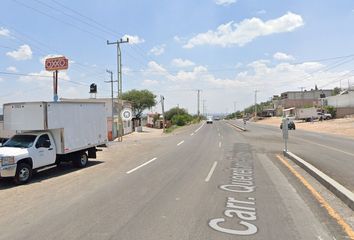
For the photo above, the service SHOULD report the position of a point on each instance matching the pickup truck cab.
(23, 153)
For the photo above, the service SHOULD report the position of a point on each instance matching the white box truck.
(50, 132)
(306, 114)
(5, 134)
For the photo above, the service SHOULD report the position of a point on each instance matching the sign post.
(285, 133)
(55, 64)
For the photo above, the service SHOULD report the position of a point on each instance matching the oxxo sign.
(55, 64)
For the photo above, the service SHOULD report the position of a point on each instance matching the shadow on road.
(55, 171)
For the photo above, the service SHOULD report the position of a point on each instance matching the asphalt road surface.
(331, 154)
(207, 182)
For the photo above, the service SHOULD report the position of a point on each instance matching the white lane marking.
(192, 134)
(219, 135)
(325, 146)
(181, 142)
(219, 144)
(142, 165)
(199, 128)
(211, 171)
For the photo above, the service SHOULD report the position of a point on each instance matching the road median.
(336, 188)
(237, 126)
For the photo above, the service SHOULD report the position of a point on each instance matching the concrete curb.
(336, 188)
(236, 126)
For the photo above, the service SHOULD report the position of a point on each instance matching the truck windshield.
(20, 141)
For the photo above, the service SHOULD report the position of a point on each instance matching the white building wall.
(345, 100)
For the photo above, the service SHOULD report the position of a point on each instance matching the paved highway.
(206, 182)
(331, 154)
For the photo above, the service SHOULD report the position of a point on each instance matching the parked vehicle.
(306, 114)
(324, 116)
(50, 133)
(291, 125)
(5, 134)
(209, 120)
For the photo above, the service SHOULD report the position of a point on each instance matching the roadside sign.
(57, 63)
(127, 114)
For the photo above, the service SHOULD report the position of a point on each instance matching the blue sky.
(226, 48)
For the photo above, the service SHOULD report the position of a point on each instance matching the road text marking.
(211, 171)
(349, 231)
(181, 142)
(142, 165)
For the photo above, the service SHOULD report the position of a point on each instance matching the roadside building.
(300, 99)
(128, 125)
(343, 102)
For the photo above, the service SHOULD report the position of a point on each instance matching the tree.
(140, 99)
(174, 111)
(336, 91)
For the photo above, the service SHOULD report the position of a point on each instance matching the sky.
(225, 48)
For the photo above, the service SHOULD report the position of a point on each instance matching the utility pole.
(119, 75)
(112, 96)
(163, 112)
(204, 107)
(198, 99)
(255, 104)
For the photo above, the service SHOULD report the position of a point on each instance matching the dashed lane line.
(181, 142)
(142, 165)
(211, 171)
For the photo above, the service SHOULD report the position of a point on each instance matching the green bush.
(332, 110)
(181, 119)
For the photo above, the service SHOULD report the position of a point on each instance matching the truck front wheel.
(23, 173)
(80, 160)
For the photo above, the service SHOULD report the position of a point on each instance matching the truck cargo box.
(74, 125)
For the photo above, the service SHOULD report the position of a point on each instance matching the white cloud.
(262, 11)
(133, 39)
(231, 33)
(177, 39)
(4, 32)
(283, 56)
(156, 69)
(126, 70)
(1, 79)
(158, 50)
(195, 74)
(225, 2)
(43, 76)
(11, 69)
(24, 52)
(178, 62)
(149, 82)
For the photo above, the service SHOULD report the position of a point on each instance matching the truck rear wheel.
(23, 173)
(80, 160)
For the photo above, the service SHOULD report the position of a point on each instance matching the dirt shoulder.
(342, 126)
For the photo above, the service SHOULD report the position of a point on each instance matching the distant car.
(291, 125)
(217, 118)
(209, 120)
(324, 116)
